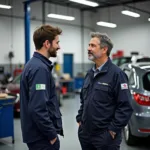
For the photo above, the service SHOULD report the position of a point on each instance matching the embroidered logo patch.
(103, 83)
(40, 86)
(124, 86)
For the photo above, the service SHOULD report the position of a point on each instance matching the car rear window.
(115, 61)
(146, 81)
(143, 60)
(125, 60)
(121, 60)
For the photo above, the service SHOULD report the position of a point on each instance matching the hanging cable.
(11, 3)
(109, 15)
(11, 54)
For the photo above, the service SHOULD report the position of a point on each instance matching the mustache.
(89, 52)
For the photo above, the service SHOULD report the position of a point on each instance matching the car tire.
(129, 138)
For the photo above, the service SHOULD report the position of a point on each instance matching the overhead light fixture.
(130, 13)
(148, 19)
(106, 24)
(5, 6)
(57, 16)
(86, 2)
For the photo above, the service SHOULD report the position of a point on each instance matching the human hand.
(79, 123)
(53, 141)
(112, 134)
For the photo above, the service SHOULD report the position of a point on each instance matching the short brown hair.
(45, 32)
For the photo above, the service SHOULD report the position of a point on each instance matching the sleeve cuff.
(114, 129)
(78, 119)
(52, 136)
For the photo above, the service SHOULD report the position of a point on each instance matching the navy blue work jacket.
(105, 100)
(40, 114)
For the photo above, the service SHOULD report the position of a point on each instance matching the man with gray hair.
(105, 99)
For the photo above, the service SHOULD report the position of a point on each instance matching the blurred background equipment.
(67, 85)
(10, 56)
(79, 79)
(56, 76)
(14, 90)
(18, 70)
(6, 117)
(1, 73)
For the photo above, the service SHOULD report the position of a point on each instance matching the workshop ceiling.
(102, 3)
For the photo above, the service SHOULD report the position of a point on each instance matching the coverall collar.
(105, 67)
(43, 59)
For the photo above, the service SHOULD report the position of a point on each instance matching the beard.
(52, 52)
(92, 56)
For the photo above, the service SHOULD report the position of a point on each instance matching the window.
(125, 60)
(115, 61)
(143, 59)
(146, 81)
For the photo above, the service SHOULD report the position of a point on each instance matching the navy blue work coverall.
(40, 115)
(105, 105)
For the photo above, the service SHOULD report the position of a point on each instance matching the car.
(129, 59)
(14, 90)
(139, 85)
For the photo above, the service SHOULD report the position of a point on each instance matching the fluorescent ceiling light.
(130, 13)
(85, 2)
(106, 24)
(57, 16)
(148, 19)
(5, 6)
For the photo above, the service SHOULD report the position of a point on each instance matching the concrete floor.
(70, 141)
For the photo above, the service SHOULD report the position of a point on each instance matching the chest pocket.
(85, 90)
(101, 93)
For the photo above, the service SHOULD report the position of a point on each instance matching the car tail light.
(144, 130)
(142, 99)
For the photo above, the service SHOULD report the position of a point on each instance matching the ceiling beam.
(106, 4)
(102, 5)
(135, 8)
(65, 4)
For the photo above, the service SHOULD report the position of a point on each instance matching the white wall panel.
(131, 34)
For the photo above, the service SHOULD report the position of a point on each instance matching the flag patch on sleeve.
(124, 86)
(40, 86)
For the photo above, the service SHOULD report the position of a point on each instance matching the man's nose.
(89, 48)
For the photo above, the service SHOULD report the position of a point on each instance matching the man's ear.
(47, 44)
(105, 49)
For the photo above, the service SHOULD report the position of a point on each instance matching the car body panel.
(141, 116)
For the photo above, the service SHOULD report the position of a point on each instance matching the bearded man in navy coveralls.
(40, 115)
(105, 99)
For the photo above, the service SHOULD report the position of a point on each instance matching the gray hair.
(104, 40)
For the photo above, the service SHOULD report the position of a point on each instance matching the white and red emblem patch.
(124, 86)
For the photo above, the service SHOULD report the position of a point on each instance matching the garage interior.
(19, 19)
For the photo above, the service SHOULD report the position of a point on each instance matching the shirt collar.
(43, 59)
(99, 68)
(104, 68)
